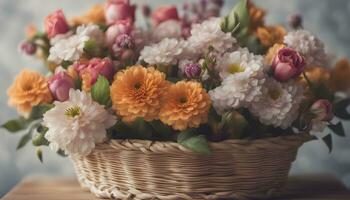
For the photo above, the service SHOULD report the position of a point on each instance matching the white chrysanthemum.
(309, 46)
(76, 125)
(71, 48)
(168, 51)
(208, 34)
(243, 77)
(279, 104)
(167, 29)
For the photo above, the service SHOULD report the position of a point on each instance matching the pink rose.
(287, 64)
(56, 24)
(322, 109)
(117, 10)
(59, 85)
(119, 28)
(96, 67)
(164, 13)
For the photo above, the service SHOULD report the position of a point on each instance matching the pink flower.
(96, 67)
(56, 24)
(117, 10)
(119, 28)
(60, 84)
(322, 109)
(287, 64)
(164, 13)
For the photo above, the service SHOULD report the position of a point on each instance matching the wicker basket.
(239, 169)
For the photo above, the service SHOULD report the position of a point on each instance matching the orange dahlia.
(96, 15)
(340, 74)
(257, 16)
(29, 89)
(186, 105)
(271, 35)
(138, 92)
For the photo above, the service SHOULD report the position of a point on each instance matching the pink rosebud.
(287, 64)
(193, 70)
(96, 67)
(117, 10)
(164, 13)
(322, 109)
(59, 85)
(56, 24)
(27, 48)
(119, 28)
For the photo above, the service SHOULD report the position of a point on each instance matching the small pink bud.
(117, 10)
(287, 64)
(193, 70)
(60, 84)
(322, 109)
(27, 48)
(56, 24)
(164, 13)
(119, 28)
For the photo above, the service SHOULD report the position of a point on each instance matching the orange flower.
(272, 52)
(340, 76)
(29, 89)
(270, 35)
(138, 92)
(186, 105)
(257, 16)
(96, 15)
(86, 82)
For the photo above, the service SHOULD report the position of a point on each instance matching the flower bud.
(56, 24)
(60, 84)
(27, 48)
(322, 110)
(119, 28)
(295, 21)
(164, 13)
(287, 64)
(193, 70)
(95, 67)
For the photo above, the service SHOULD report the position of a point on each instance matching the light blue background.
(329, 19)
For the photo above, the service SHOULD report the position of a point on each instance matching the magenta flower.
(119, 28)
(322, 109)
(193, 70)
(287, 64)
(96, 67)
(60, 84)
(56, 24)
(117, 10)
(27, 48)
(164, 13)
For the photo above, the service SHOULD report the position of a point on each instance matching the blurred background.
(325, 18)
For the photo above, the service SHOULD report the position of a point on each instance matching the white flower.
(309, 46)
(279, 104)
(168, 51)
(208, 34)
(167, 29)
(76, 125)
(70, 48)
(243, 77)
(317, 127)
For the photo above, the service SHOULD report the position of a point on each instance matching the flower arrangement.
(189, 78)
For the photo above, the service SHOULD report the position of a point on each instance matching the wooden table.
(298, 188)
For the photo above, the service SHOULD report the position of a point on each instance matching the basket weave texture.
(238, 169)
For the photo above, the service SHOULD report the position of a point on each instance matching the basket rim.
(286, 142)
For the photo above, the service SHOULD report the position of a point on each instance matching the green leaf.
(197, 144)
(65, 64)
(39, 110)
(24, 140)
(39, 137)
(328, 141)
(340, 109)
(234, 124)
(90, 46)
(139, 129)
(39, 154)
(186, 134)
(100, 91)
(61, 153)
(238, 19)
(338, 129)
(161, 131)
(16, 125)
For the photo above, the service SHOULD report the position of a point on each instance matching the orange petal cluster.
(272, 52)
(29, 89)
(257, 16)
(340, 76)
(138, 92)
(96, 15)
(270, 35)
(186, 105)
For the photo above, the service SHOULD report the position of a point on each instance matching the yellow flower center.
(72, 111)
(274, 93)
(235, 68)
